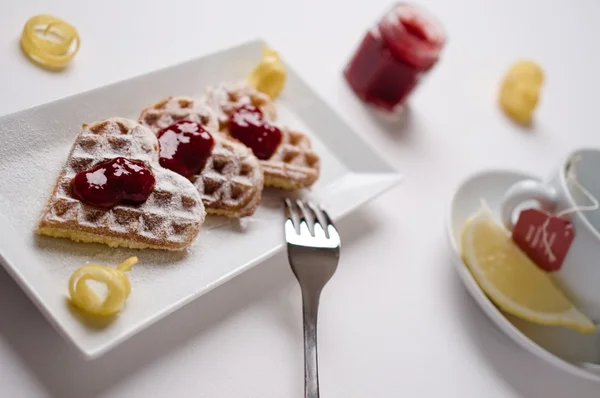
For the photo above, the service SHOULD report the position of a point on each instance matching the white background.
(395, 320)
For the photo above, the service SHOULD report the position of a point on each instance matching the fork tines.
(306, 218)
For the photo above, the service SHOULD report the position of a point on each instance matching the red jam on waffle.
(248, 125)
(185, 147)
(118, 180)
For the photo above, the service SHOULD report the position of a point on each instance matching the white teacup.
(579, 275)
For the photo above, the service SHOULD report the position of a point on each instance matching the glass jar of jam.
(394, 56)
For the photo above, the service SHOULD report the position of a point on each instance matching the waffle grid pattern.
(294, 164)
(169, 219)
(232, 180)
(172, 109)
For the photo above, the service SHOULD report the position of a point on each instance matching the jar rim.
(417, 50)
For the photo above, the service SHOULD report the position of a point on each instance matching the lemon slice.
(511, 280)
(49, 41)
(269, 75)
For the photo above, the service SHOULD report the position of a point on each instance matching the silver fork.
(313, 247)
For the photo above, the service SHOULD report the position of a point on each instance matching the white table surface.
(395, 320)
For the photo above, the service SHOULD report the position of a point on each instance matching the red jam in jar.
(394, 56)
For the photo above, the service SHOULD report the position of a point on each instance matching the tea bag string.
(594, 206)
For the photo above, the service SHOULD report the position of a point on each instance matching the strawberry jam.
(248, 125)
(118, 180)
(185, 147)
(394, 56)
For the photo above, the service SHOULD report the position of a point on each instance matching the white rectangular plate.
(37, 141)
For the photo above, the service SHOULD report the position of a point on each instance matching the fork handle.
(310, 307)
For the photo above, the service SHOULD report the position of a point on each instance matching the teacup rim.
(567, 191)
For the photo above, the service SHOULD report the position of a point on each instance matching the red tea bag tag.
(543, 237)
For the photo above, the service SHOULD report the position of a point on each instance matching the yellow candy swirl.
(117, 283)
(49, 41)
(520, 91)
(269, 75)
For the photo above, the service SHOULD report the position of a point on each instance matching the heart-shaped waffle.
(293, 164)
(169, 219)
(228, 96)
(172, 109)
(231, 182)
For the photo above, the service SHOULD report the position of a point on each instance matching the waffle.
(227, 97)
(172, 109)
(170, 219)
(294, 165)
(231, 182)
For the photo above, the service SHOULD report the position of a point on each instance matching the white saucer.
(566, 349)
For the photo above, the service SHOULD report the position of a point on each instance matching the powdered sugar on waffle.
(226, 97)
(294, 164)
(169, 219)
(231, 182)
(172, 109)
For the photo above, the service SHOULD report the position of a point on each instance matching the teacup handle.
(526, 190)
